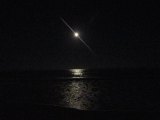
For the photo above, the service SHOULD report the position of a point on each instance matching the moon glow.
(76, 34)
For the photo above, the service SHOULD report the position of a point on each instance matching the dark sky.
(122, 34)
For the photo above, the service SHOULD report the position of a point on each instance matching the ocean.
(82, 89)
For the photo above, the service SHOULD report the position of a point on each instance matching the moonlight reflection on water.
(77, 92)
(77, 73)
(79, 95)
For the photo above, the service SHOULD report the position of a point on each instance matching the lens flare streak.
(77, 35)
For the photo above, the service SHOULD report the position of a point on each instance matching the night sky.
(122, 34)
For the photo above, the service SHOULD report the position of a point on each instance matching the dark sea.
(62, 92)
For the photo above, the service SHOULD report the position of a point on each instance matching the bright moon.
(76, 34)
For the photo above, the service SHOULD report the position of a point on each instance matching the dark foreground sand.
(36, 112)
